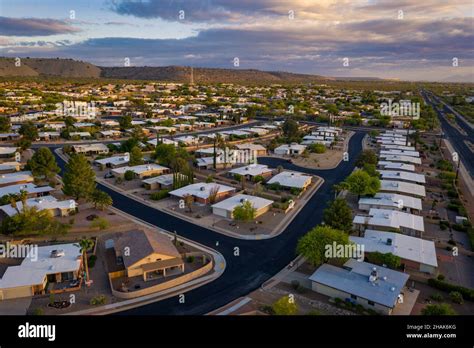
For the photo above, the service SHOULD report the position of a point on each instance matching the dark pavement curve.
(257, 261)
(453, 135)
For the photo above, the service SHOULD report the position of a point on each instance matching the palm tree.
(13, 203)
(85, 244)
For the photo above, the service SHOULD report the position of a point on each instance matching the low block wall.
(163, 286)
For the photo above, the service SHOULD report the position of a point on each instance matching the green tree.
(136, 156)
(371, 170)
(361, 183)
(31, 221)
(317, 148)
(338, 215)
(438, 309)
(43, 164)
(165, 153)
(129, 175)
(23, 144)
(125, 122)
(244, 212)
(366, 156)
(290, 129)
(29, 131)
(313, 245)
(79, 178)
(285, 306)
(101, 199)
(389, 259)
(5, 125)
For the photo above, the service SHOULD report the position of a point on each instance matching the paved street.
(454, 136)
(257, 260)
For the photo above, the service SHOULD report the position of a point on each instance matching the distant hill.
(206, 75)
(34, 67)
(47, 67)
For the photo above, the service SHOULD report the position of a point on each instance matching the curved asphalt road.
(257, 261)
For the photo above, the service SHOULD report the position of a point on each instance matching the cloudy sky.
(405, 39)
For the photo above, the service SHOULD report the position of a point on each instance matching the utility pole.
(457, 170)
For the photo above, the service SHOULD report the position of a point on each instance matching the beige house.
(148, 254)
(59, 266)
(141, 171)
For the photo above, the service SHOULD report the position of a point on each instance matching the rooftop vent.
(202, 188)
(57, 253)
(389, 241)
(373, 276)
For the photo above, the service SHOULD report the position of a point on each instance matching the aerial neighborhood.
(119, 192)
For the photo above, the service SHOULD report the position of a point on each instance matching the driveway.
(17, 306)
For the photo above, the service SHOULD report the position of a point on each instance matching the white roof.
(353, 278)
(81, 134)
(392, 200)
(83, 124)
(405, 176)
(29, 188)
(290, 179)
(415, 154)
(154, 142)
(90, 147)
(163, 128)
(139, 168)
(252, 170)
(396, 165)
(9, 165)
(235, 132)
(42, 203)
(267, 126)
(209, 151)
(329, 129)
(402, 187)
(7, 150)
(49, 134)
(114, 160)
(230, 203)
(287, 147)
(110, 132)
(201, 190)
(188, 139)
(255, 130)
(165, 179)
(206, 161)
(392, 219)
(403, 159)
(406, 247)
(252, 147)
(386, 141)
(33, 272)
(398, 147)
(15, 177)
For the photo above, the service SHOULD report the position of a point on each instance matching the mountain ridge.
(70, 68)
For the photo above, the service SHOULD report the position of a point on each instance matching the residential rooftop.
(353, 278)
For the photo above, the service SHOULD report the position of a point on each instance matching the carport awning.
(158, 265)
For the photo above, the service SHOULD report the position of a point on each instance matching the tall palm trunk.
(86, 265)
